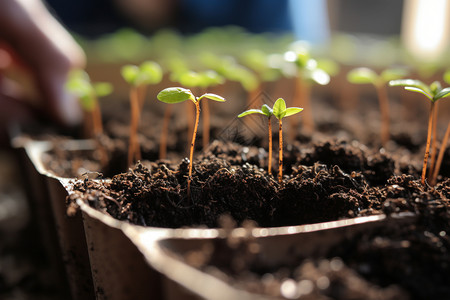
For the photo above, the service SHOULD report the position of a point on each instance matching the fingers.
(47, 50)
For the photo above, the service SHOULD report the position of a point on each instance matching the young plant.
(87, 92)
(434, 92)
(444, 143)
(280, 111)
(307, 72)
(138, 77)
(177, 95)
(368, 76)
(268, 112)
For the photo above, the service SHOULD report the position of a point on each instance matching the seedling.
(138, 77)
(87, 92)
(444, 143)
(308, 72)
(177, 95)
(268, 112)
(368, 76)
(202, 81)
(434, 92)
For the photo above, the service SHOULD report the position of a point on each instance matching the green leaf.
(267, 110)
(392, 74)
(411, 83)
(150, 73)
(175, 95)
(362, 76)
(442, 94)
(251, 111)
(447, 76)
(130, 73)
(279, 109)
(189, 79)
(87, 102)
(212, 97)
(292, 111)
(329, 66)
(102, 89)
(418, 90)
(435, 87)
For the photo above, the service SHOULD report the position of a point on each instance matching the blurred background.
(351, 33)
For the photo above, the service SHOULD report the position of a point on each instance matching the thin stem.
(142, 90)
(434, 141)
(165, 132)
(280, 152)
(269, 169)
(302, 99)
(206, 124)
(427, 149)
(383, 102)
(190, 116)
(440, 156)
(97, 119)
(191, 155)
(133, 146)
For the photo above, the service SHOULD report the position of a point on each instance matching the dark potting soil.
(403, 260)
(325, 182)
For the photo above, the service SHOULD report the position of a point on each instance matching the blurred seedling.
(444, 143)
(88, 93)
(139, 77)
(433, 92)
(178, 95)
(307, 73)
(268, 112)
(368, 76)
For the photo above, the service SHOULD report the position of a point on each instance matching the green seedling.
(178, 95)
(201, 81)
(444, 143)
(280, 111)
(138, 77)
(433, 92)
(87, 92)
(307, 72)
(368, 76)
(268, 112)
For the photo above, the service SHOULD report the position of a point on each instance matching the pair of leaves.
(368, 76)
(308, 68)
(148, 72)
(178, 94)
(79, 84)
(279, 110)
(433, 92)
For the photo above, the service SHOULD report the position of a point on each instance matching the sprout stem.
(434, 141)
(269, 168)
(190, 117)
(440, 156)
(134, 152)
(427, 149)
(206, 124)
(280, 152)
(191, 155)
(383, 101)
(164, 133)
(302, 99)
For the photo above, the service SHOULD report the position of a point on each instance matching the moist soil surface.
(325, 182)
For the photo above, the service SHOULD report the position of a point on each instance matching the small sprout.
(433, 92)
(307, 72)
(177, 95)
(139, 77)
(280, 111)
(87, 92)
(368, 76)
(268, 112)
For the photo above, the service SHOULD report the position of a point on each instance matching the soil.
(328, 181)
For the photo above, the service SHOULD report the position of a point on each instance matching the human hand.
(33, 40)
